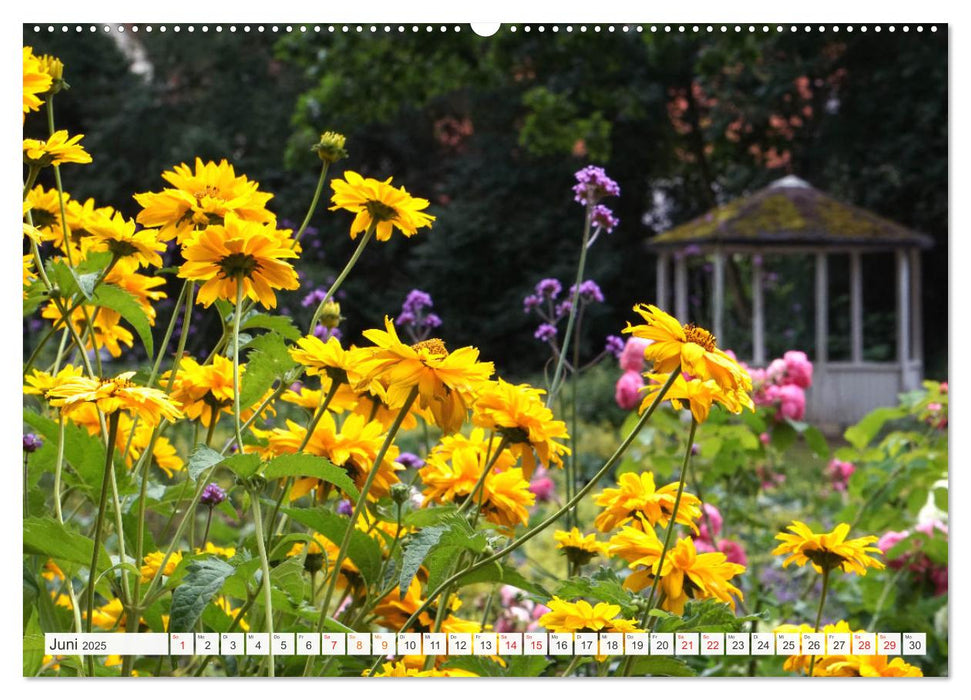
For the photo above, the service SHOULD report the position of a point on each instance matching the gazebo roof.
(791, 213)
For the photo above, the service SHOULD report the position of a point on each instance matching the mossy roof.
(790, 212)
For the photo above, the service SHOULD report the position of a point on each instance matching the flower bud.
(330, 314)
(54, 68)
(330, 148)
(32, 443)
(400, 493)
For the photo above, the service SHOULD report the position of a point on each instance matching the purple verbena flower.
(345, 507)
(325, 333)
(530, 302)
(593, 184)
(563, 308)
(416, 301)
(410, 461)
(589, 291)
(405, 318)
(314, 298)
(432, 321)
(548, 288)
(615, 346)
(212, 495)
(602, 217)
(546, 332)
(32, 443)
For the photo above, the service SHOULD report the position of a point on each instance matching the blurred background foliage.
(491, 131)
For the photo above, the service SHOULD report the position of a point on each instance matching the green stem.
(265, 564)
(526, 536)
(99, 524)
(368, 235)
(313, 202)
(557, 375)
(236, 386)
(668, 535)
(356, 513)
(819, 615)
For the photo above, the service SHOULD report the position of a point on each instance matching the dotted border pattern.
(513, 28)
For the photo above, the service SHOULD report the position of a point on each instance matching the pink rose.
(765, 438)
(929, 527)
(712, 516)
(889, 540)
(776, 371)
(799, 370)
(632, 357)
(628, 391)
(792, 402)
(733, 552)
(542, 486)
(839, 473)
(943, 387)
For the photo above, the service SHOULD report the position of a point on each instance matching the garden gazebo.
(790, 218)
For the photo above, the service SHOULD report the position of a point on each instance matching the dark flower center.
(380, 211)
(699, 336)
(239, 265)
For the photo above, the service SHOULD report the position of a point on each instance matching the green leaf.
(288, 577)
(707, 615)
(500, 573)
(278, 324)
(783, 435)
(48, 537)
(527, 666)
(243, 465)
(201, 459)
(204, 579)
(428, 516)
(661, 666)
(604, 586)
(117, 299)
(362, 550)
(267, 362)
(302, 465)
(33, 647)
(861, 434)
(84, 452)
(86, 283)
(479, 665)
(446, 540)
(816, 441)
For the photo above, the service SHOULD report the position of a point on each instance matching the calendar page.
(592, 350)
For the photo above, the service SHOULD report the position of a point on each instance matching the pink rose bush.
(783, 385)
(914, 559)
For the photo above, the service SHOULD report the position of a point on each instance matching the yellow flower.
(108, 331)
(112, 395)
(124, 275)
(153, 561)
(220, 255)
(119, 236)
(203, 391)
(877, 666)
(222, 602)
(453, 467)
(378, 203)
(640, 504)
(829, 550)
(580, 616)
(445, 381)
(29, 275)
(394, 610)
(579, 548)
(399, 669)
(38, 382)
(344, 398)
(108, 616)
(45, 213)
(52, 572)
(201, 198)
(56, 150)
(328, 358)
(81, 219)
(518, 414)
(505, 498)
(353, 448)
(690, 346)
(224, 552)
(685, 574)
(696, 394)
(36, 81)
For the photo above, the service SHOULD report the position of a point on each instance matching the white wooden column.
(903, 309)
(758, 317)
(681, 288)
(718, 296)
(661, 295)
(856, 307)
(822, 309)
(916, 309)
